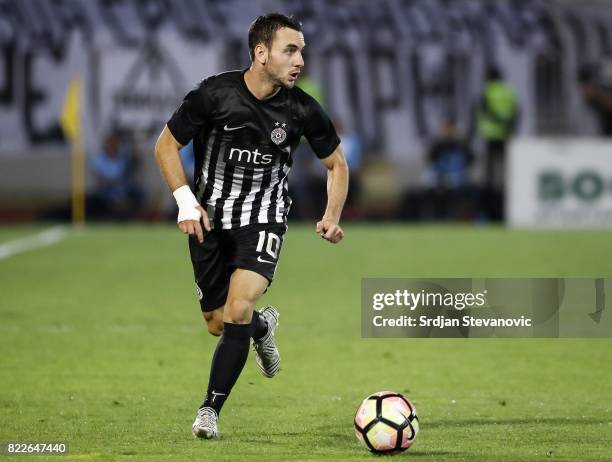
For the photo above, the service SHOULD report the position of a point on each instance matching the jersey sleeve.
(319, 131)
(192, 114)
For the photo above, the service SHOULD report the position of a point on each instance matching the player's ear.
(261, 53)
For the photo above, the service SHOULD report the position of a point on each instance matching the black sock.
(227, 363)
(259, 326)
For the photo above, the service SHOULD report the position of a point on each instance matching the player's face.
(285, 61)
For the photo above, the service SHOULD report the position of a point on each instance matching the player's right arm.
(187, 120)
(191, 214)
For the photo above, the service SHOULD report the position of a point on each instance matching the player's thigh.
(246, 287)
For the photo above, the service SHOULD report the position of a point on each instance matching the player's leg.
(212, 276)
(259, 323)
(233, 348)
(214, 321)
(228, 361)
(246, 287)
(258, 250)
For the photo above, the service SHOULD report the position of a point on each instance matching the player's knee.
(215, 327)
(238, 311)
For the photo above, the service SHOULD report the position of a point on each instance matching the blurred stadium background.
(407, 83)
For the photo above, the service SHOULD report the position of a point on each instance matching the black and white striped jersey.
(243, 146)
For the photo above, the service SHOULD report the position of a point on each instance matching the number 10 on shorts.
(271, 241)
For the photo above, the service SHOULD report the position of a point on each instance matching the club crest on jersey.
(279, 134)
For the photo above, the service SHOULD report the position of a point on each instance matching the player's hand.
(190, 222)
(330, 231)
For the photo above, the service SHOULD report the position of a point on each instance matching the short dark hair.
(263, 28)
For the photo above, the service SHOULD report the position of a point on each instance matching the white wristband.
(187, 204)
(184, 197)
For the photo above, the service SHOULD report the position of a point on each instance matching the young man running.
(245, 127)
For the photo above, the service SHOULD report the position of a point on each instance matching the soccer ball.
(386, 422)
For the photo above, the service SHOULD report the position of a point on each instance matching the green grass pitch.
(103, 345)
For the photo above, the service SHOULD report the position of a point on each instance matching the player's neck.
(260, 86)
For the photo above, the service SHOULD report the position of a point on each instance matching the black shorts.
(253, 247)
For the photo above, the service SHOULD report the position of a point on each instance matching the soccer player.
(245, 127)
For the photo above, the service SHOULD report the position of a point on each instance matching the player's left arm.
(337, 188)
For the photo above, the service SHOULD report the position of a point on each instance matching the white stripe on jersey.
(217, 187)
(282, 190)
(280, 194)
(228, 204)
(266, 200)
(245, 214)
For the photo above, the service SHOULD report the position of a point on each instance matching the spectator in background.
(449, 192)
(596, 87)
(116, 194)
(497, 117)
